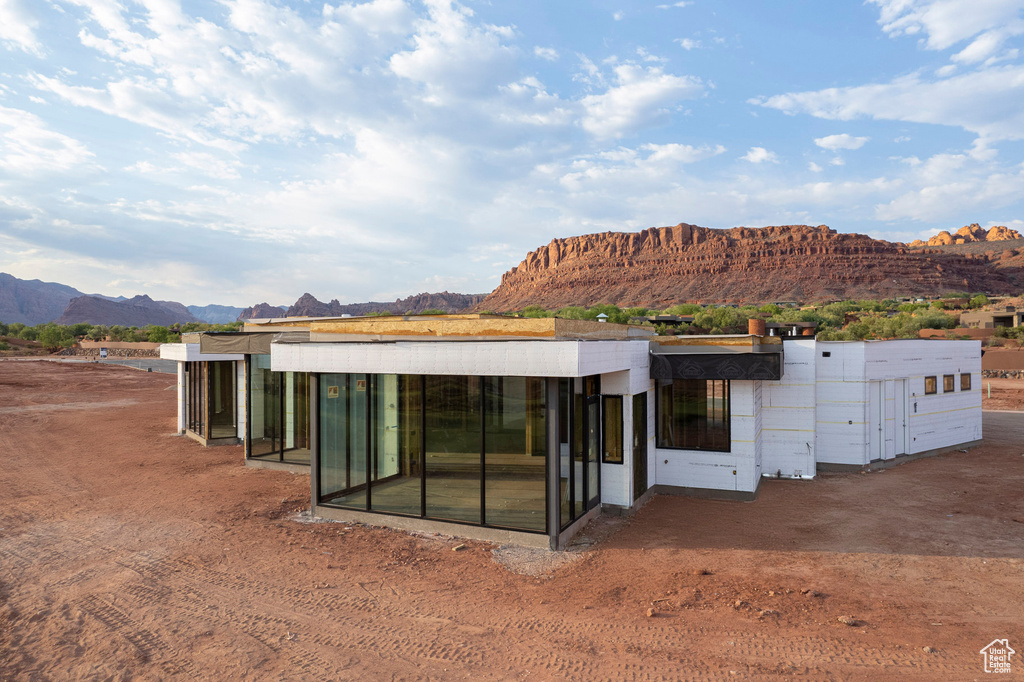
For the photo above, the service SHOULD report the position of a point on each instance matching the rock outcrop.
(662, 266)
(309, 306)
(133, 312)
(261, 311)
(968, 234)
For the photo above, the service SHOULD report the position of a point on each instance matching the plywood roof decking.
(734, 342)
(468, 327)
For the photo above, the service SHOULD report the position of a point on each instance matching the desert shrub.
(684, 309)
(535, 311)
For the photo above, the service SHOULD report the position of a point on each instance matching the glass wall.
(515, 452)
(453, 448)
(210, 399)
(579, 410)
(278, 413)
(693, 414)
(398, 444)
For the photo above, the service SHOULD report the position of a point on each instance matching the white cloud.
(454, 56)
(760, 155)
(949, 183)
(688, 43)
(547, 53)
(843, 141)
(18, 27)
(28, 146)
(210, 165)
(945, 23)
(640, 97)
(685, 3)
(952, 101)
(618, 16)
(814, 168)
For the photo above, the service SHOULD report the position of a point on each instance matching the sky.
(242, 151)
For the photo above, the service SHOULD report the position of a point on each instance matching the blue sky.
(240, 151)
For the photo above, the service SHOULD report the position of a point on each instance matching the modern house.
(1007, 316)
(522, 430)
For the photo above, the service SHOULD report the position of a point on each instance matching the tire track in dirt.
(149, 645)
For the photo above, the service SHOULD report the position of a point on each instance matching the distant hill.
(31, 301)
(215, 314)
(133, 312)
(261, 311)
(309, 306)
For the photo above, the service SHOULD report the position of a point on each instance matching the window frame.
(934, 381)
(965, 382)
(948, 383)
(605, 435)
(727, 417)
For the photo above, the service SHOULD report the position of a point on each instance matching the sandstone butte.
(661, 266)
(968, 234)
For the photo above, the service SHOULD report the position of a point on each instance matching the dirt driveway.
(129, 553)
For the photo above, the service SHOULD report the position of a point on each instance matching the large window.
(693, 414)
(278, 413)
(210, 399)
(453, 448)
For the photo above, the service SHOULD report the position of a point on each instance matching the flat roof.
(449, 327)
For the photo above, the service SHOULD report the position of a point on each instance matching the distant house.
(1008, 316)
(522, 430)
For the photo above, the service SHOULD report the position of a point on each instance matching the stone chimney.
(755, 327)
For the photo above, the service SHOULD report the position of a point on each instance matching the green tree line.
(843, 320)
(56, 336)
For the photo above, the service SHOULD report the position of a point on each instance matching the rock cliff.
(662, 266)
(968, 234)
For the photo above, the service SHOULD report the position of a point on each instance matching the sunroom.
(507, 434)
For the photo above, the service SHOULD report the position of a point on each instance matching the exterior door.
(876, 420)
(639, 445)
(901, 405)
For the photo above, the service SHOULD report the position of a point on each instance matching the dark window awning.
(249, 343)
(738, 366)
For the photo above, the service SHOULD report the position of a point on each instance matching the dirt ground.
(127, 552)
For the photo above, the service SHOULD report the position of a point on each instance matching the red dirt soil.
(127, 552)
